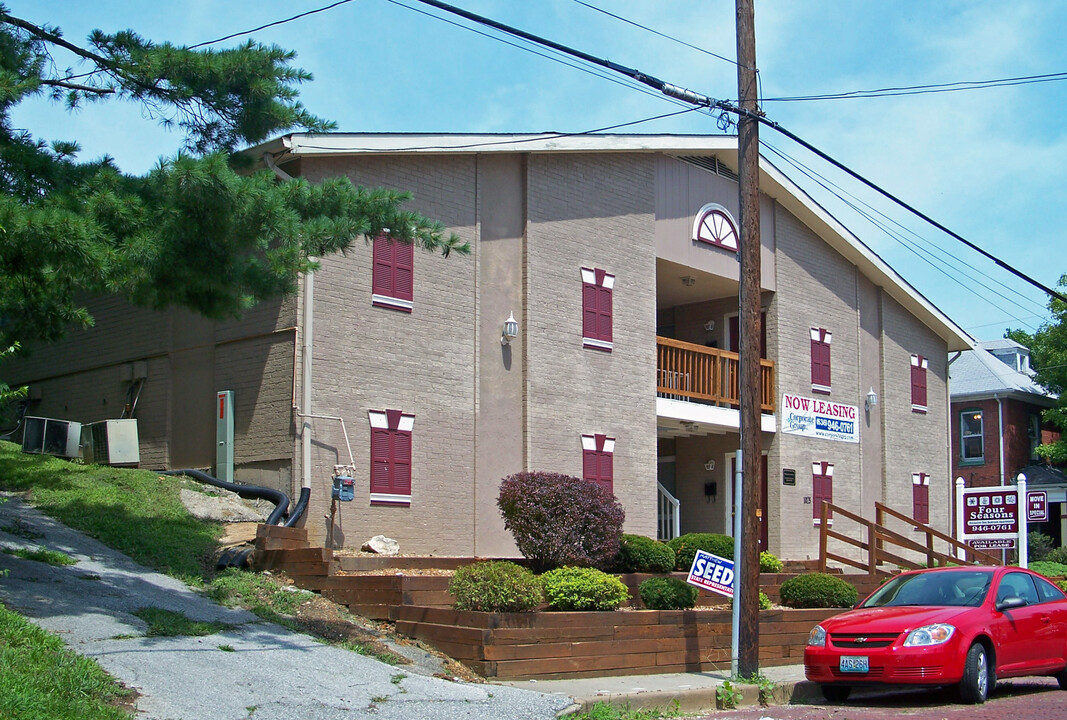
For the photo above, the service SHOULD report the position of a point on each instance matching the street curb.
(698, 699)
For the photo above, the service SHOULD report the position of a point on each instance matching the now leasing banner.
(820, 418)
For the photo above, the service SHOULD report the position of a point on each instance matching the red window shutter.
(918, 383)
(820, 363)
(604, 314)
(404, 278)
(822, 489)
(383, 266)
(381, 451)
(393, 272)
(598, 466)
(401, 462)
(590, 316)
(920, 499)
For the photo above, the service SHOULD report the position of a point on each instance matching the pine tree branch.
(40, 32)
(80, 88)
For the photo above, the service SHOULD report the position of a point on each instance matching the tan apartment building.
(615, 255)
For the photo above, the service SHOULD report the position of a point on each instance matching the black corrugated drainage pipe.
(254, 492)
(299, 508)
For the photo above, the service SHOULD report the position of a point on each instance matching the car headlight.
(817, 636)
(929, 635)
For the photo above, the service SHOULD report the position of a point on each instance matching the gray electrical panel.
(224, 435)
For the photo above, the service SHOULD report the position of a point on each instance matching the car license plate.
(854, 664)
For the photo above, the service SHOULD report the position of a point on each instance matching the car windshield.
(956, 587)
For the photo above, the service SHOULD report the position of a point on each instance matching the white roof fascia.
(773, 183)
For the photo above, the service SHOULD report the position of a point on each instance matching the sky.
(990, 164)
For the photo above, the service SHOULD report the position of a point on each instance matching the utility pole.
(749, 324)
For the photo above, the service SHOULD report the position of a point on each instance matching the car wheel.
(974, 687)
(1061, 678)
(836, 693)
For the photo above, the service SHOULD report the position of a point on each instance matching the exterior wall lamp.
(871, 400)
(510, 331)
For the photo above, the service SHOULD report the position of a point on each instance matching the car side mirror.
(1010, 603)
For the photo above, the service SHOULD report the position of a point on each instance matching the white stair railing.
(668, 513)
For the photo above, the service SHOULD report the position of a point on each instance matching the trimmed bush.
(1048, 569)
(1062, 585)
(685, 547)
(559, 520)
(496, 586)
(768, 563)
(817, 590)
(667, 593)
(581, 588)
(638, 553)
(764, 601)
(1057, 555)
(1038, 546)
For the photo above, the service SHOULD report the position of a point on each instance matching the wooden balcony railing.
(686, 371)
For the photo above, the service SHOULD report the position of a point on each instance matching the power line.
(958, 86)
(948, 257)
(920, 252)
(656, 32)
(270, 24)
(698, 99)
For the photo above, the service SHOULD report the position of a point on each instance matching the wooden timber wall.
(552, 645)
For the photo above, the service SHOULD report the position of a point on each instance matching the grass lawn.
(136, 512)
(39, 678)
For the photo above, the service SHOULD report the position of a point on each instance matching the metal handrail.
(670, 515)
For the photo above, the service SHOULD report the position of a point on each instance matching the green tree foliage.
(1048, 357)
(202, 230)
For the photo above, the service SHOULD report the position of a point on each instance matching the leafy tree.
(202, 230)
(1048, 358)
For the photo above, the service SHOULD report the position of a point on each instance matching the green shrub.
(667, 593)
(498, 586)
(1057, 555)
(817, 590)
(685, 547)
(1062, 584)
(638, 553)
(1038, 546)
(575, 588)
(768, 563)
(1048, 569)
(559, 520)
(764, 601)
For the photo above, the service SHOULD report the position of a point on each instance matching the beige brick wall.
(592, 211)
(420, 362)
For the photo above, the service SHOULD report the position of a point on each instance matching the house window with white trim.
(820, 360)
(919, 365)
(715, 226)
(822, 489)
(598, 452)
(920, 497)
(972, 437)
(393, 273)
(390, 457)
(597, 287)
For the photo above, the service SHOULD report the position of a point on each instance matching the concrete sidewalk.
(253, 670)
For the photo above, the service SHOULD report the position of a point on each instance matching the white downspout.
(305, 359)
(305, 428)
(1000, 433)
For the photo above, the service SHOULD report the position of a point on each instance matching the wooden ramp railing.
(878, 536)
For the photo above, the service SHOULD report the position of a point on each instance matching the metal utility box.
(49, 436)
(344, 488)
(111, 442)
(224, 435)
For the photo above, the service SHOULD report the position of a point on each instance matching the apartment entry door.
(761, 512)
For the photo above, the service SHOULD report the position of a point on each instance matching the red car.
(965, 626)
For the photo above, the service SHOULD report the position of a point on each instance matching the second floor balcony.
(695, 373)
